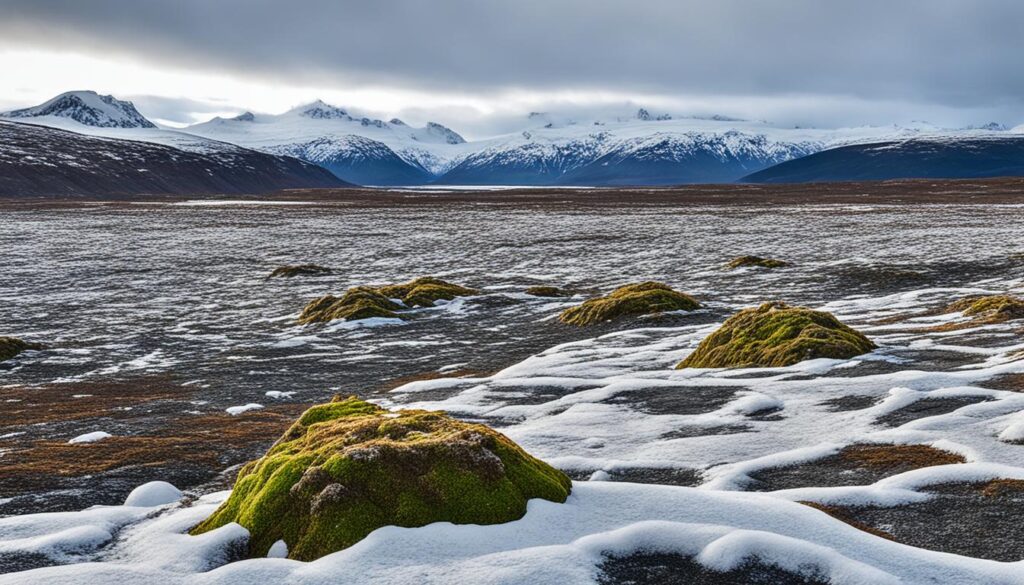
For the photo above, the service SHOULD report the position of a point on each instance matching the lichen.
(547, 291)
(776, 335)
(348, 467)
(756, 261)
(299, 270)
(363, 302)
(631, 300)
(12, 346)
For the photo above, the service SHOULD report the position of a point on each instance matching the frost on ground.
(612, 409)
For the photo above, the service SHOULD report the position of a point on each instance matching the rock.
(299, 270)
(12, 346)
(154, 493)
(348, 467)
(776, 335)
(631, 300)
(547, 291)
(755, 261)
(364, 302)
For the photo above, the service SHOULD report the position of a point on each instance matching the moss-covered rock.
(755, 261)
(363, 302)
(776, 335)
(547, 291)
(12, 346)
(299, 270)
(631, 300)
(348, 467)
(989, 309)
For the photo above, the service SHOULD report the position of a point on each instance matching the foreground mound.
(364, 302)
(631, 300)
(349, 467)
(299, 270)
(12, 346)
(755, 261)
(776, 335)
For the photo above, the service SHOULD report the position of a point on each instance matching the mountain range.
(637, 149)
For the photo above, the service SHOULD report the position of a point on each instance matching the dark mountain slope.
(916, 158)
(41, 161)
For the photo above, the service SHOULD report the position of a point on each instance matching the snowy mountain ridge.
(643, 147)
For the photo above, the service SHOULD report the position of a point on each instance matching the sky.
(479, 65)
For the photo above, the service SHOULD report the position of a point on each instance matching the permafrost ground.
(180, 292)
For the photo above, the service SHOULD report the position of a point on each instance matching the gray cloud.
(937, 53)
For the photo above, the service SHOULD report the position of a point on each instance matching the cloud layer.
(939, 54)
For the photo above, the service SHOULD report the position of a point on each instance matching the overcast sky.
(471, 63)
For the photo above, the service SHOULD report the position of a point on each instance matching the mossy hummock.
(364, 302)
(547, 291)
(777, 335)
(631, 300)
(12, 346)
(989, 309)
(755, 261)
(299, 270)
(348, 467)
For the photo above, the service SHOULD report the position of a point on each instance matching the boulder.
(348, 467)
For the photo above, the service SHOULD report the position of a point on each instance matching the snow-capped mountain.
(356, 148)
(38, 161)
(646, 149)
(88, 108)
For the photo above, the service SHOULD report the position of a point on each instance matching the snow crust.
(154, 493)
(90, 437)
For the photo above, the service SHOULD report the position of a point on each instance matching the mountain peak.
(245, 117)
(447, 134)
(88, 108)
(321, 110)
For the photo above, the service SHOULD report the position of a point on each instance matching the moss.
(363, 302)
(12, 346)
(776, 335)
(299, 270)
(631, 300)
(993, 309)
(547, 291)
(756, 261)
(348, 467)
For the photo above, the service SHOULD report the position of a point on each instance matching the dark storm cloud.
(958, 53)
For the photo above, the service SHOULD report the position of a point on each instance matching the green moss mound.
(547, 291)
(299, 270)
(631, 300)
(364, 302)
(12, 346)
(775, 335)
(348, 467)
(755, 261)
(991, 309)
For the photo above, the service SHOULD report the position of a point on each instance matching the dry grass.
(1003, 487)
(26, 405)
(838, 514)
(888, 457)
